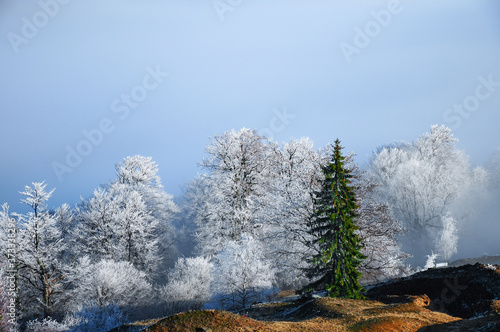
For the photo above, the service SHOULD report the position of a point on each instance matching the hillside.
(453, 299)
(323, 314)
(483, 260)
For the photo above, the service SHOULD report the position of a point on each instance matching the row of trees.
(250, 223)
(257, 188)
(107, 251)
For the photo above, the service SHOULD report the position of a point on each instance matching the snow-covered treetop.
(36, 196)
(235, 148)
(138, 170)
(436, 142)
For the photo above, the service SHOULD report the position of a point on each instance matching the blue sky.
(368, 72)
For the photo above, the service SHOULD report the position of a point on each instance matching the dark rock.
(465, 291)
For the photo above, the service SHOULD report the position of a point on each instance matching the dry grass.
(394, 311)
(324, 314)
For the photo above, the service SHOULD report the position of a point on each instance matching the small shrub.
(431, 261)
(96, 318)
(46, 325)
(188, 286)
(491, 267)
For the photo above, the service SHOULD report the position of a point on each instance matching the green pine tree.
(333, 227)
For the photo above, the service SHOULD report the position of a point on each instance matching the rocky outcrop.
(465, 291)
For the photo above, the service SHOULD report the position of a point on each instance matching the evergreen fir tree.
(333, 226)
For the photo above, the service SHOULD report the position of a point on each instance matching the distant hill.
(483, 260)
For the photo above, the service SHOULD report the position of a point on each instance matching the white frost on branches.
(422, 182)
(39, 248)
(130, 219)
(108, 282)
(189, 284)
(242, 275)
(238, 165)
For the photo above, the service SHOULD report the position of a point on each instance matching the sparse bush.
(109, 282)
(189, 283)
(491, 267)
(243, 275)
(46, 325)
(431, 261)
(96, 318)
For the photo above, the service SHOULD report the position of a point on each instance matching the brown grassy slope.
(323, 314)
(470, 291)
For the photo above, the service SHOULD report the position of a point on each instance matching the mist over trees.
(481, 222)
(241, 230)
(423, 183)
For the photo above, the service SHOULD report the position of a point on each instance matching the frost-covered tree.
(194, 211)
(65, 218)
(130, 219)
(189, 284)
(422, 182)
(139, 173)
(95, 232)
(65, 222)
(379, 232)
(256, 186)
(238, 166)
(135, 230)
(242, 274)
(40, 247)
(108, 282)
(288, 206)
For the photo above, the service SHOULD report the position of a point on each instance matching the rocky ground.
(466, 291)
